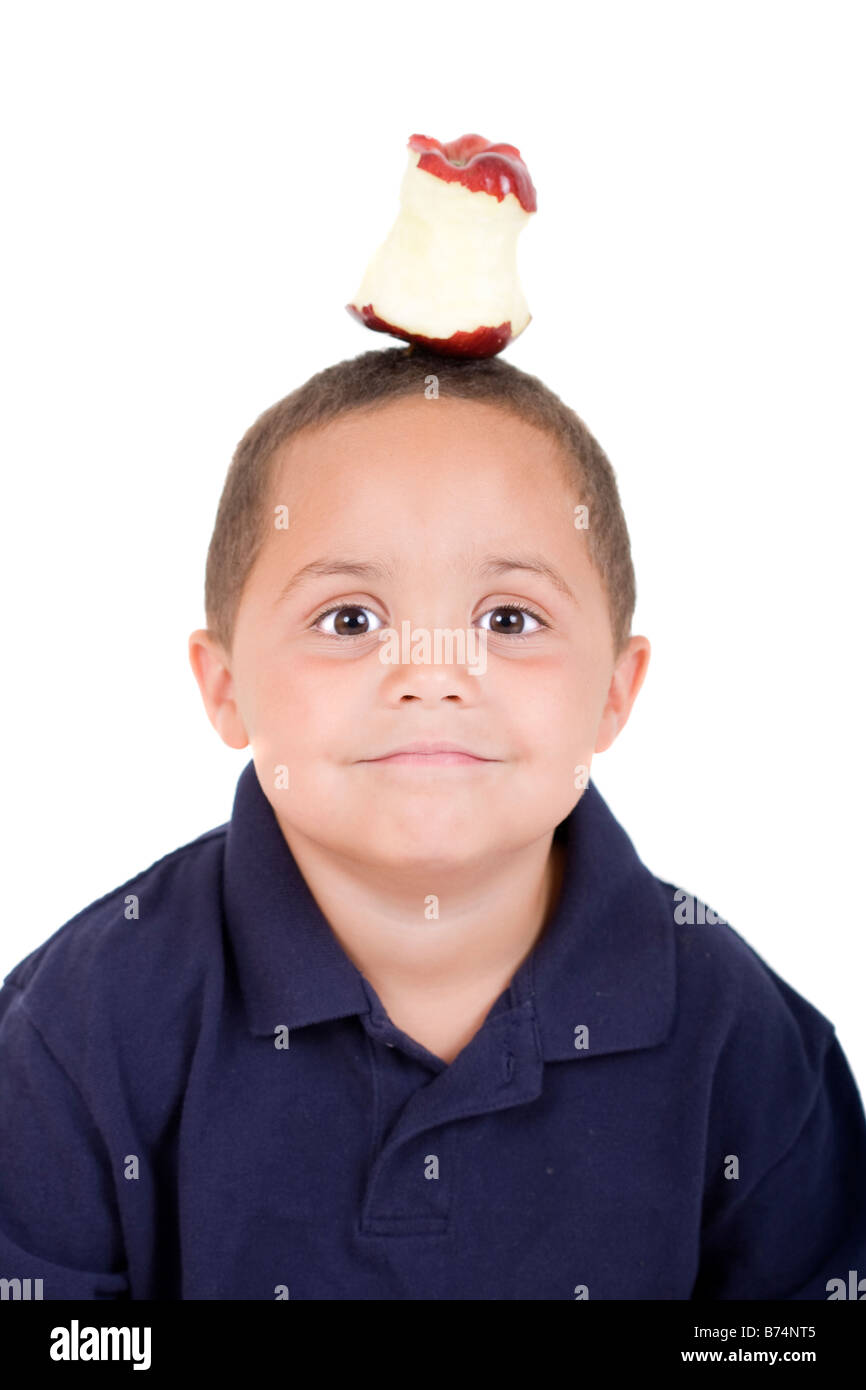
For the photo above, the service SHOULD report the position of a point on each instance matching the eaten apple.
(446, 275)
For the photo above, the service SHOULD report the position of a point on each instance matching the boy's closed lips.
(421, 754)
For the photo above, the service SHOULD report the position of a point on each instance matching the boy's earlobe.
(626, 681)
(214, 679)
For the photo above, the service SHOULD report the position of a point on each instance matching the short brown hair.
(373, 379)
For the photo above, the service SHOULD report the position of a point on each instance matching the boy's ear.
(213, 674)
(626, 681)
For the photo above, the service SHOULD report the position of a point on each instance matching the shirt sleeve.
(59, 1219)
(802, 1224)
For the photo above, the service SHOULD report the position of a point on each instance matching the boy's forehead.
(398, 435)
(405, 516)
(413, 416)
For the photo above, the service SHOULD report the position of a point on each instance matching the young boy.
(419, 1025)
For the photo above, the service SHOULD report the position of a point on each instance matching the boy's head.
(431, 473)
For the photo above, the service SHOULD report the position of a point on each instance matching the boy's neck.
(489, 919)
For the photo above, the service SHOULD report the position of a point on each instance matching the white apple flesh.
(448, 267)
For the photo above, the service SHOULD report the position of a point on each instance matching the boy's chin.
(447, 840)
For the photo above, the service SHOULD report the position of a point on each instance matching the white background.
(192, 192)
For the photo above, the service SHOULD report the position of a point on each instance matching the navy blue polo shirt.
(201, 1097)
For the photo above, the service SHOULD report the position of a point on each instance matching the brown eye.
(349, 621)
(513, 621)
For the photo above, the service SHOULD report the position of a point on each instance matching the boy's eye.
(355, 624)
(514, 623)
(346, 627)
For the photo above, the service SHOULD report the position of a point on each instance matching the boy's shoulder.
(761, 1052)
(131, 962)
(722, 974)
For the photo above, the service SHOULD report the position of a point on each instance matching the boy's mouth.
(424, 753)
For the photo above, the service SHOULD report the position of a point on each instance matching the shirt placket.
(417, 1145)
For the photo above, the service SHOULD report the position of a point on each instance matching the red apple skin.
(479, 165)
(481, 342)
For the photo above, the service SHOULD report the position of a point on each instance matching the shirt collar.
(605, 960)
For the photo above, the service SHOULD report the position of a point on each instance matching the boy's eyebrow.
(367, 569)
